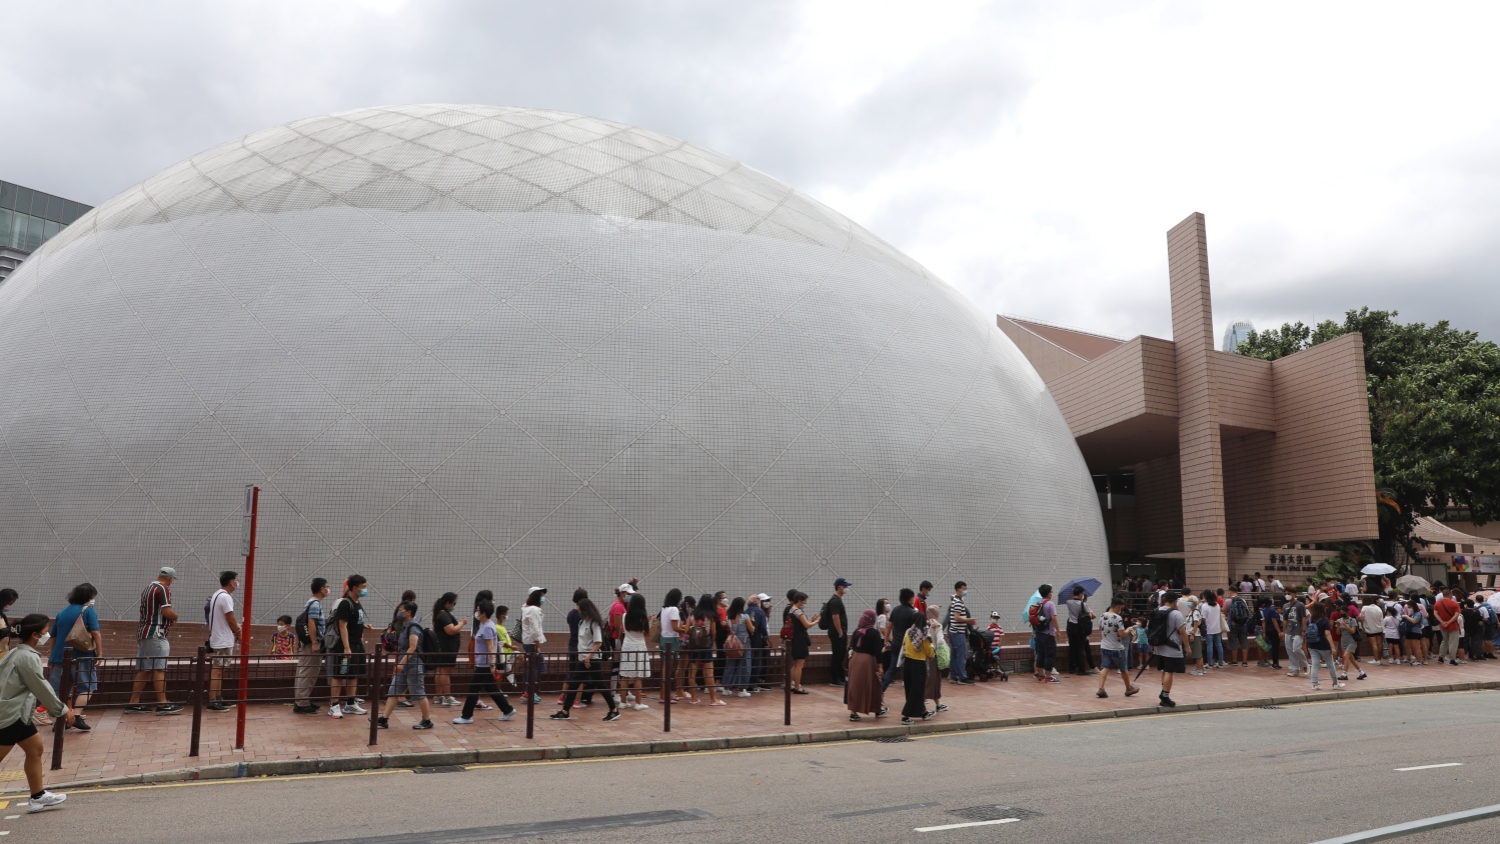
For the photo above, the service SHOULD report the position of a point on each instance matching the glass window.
(50, 228)
(7, 195)
(72, 211)
(54, 208)
(18, 223)
(5, 216)
(38, 204)
(33, 234)
(23, 200)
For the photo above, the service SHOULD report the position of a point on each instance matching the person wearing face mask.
(22, 688)
(85, 675)
(407, 673)
(959, 622)
(532, 635)
(346, 659)
(835, 619)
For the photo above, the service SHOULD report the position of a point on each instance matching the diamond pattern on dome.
(466, 347)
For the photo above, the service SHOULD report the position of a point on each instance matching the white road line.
(1425, 767)
(962, 825)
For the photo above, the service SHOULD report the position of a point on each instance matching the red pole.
(239, 727)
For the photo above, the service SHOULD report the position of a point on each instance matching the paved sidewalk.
(130, 745)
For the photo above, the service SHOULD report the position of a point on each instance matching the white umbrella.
(1378, 568)
(1411, 584)
(1495, 600)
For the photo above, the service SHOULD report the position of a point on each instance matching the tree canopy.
(1434, 413)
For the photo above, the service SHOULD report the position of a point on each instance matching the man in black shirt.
(838, 631)
(902, 618)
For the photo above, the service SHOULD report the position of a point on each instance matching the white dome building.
(465, 347)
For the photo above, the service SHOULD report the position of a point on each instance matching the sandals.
(854, 716)
(801, 692)
(718, 703)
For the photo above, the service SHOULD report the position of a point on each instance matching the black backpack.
(301, 624)
(1158, 631)
(1239, 612)
(825, 619)
(429, 643)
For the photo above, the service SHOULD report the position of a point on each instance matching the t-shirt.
(574, 617)
(1142, 636)
(957, 608)
(220, 634)
(1317, 635)
(315, 614)
(1049, 613)
(1372, 618)
(153, 624)
(1110, 625)
(1296, 618)
(616, 619)
(1391, 627)
(669, 616)
(1449, 609)
(440, 620)
(1173, 647)
(920, 604)
(353, 613)
(64, 625)
(485, 643)
(1212, 618)
(902, 618)
(835, 609)
(1268, 617)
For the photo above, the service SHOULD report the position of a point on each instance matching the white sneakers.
(741, 693)
(355, 709)
(45, 802)
(335, 712)
(641, 707)
(463, 720)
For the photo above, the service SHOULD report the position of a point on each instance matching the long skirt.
(934, 689)
(914, 678)
(863, 693)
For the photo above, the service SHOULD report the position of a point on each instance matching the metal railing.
(262, 679)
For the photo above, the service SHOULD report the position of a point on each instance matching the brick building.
(1225, 463)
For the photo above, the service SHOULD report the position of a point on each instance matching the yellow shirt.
(923, 655)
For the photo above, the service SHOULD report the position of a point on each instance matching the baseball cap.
(535, 589)
(841, 582)
(167, 571)
(763, 597)
(994, 615)
(626, 588)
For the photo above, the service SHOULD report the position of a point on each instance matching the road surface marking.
(1424, 825)
(1426, 767)
(962, 825)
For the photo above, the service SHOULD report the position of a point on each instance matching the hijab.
(866, 620)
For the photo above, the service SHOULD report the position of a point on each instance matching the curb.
(376, 761)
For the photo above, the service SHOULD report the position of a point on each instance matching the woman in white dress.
(635, 663)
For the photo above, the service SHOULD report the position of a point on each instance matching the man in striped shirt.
(151, 644)
(959, 622)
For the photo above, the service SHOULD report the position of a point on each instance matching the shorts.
(1418, 636)
(336, 669)
(800, 650)
(1171, 664)
(221, 656)
(1236, 640)
(1142, 649)
(17, 733)
(441, 659)
(1197, 647)
(671, 644)
(1111, 660)
(151, 654)
(85, 676)
(408, 682)
(1392, 643)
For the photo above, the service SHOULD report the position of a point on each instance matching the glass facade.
(1237, 333)
(29, 218)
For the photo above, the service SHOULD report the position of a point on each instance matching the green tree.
(1434, 413)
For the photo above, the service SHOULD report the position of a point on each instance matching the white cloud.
(1033, 155)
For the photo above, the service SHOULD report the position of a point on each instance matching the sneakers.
(506, 716)
(1052, 680)
(305, 710)
(560, 716)
(469, 720)
(1133, 690)
(424, 724)
(137, 709)
(1293, 673)
(1316, 687)
(335, 712)
(1338, 685)
(406, 704)
(217, 706)
(927, 715)
(641, 707)
(382, 723)
(355, 709)
(1101, 693)
(741, 693)
(483, 705)
(1362, 675)
(580, 705)
(1460, 662)
(1164, 700)
(169, 709)
(612, 715)
(45, 802)
(1196, 673)
(81, 725)
(942, 707)
(907, 721)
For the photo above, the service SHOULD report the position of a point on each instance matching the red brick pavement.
(122, 744)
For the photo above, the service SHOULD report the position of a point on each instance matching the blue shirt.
(65, 621)
(762, 631)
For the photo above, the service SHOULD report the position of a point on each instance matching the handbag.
(653, 635)
(733, 647)
(79, 638)
(944, 655)
(1260, 642)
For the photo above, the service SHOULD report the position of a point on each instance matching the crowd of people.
(717, 646)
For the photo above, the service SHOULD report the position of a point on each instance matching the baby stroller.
(982, 664)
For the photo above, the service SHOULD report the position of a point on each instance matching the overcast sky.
(1033, 155)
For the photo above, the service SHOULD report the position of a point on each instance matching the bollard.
(198, 693)
(786, 681)
(374, 673)
(666, 691)
(60, 723)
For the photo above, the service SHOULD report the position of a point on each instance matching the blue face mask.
(363, 592)
(543, 600)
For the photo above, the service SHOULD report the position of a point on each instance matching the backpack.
(429, 642)
(1036, 617)
(786, 631)
(1158, 632)
(733, 647)
(1239, 611)
(825, 618)
(331, 627)
(698, 638)
(208, 607)
(301, 624)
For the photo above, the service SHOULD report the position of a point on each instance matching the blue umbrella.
(1090, 586)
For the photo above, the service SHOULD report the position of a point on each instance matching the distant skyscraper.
(1236, 334)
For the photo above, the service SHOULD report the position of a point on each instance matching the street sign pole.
(252, 509)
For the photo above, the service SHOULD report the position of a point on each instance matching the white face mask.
(723, 602)
(46, 637)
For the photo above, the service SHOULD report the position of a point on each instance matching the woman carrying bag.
(22, 687)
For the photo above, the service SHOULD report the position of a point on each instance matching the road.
(1299, 774)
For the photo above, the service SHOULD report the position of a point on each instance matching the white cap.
(626, 588)
(763, 596)
(534, 589)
